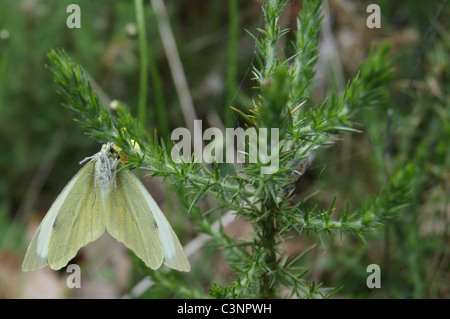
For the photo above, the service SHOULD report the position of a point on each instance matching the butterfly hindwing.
(130, 221)
(174, 256)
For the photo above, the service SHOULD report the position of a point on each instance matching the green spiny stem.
(267, 242)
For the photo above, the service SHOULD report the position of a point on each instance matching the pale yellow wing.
(174, 256)
(74, 219)
(146, 212)
(130, 220)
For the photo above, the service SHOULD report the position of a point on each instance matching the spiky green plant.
(283, 86)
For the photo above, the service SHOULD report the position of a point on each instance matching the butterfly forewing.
(79, 221)
(74, 219)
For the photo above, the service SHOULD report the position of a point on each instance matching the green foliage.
(389, 208)
(263, 268)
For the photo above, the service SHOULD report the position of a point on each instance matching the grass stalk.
(143, 55)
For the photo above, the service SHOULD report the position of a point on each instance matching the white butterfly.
(99, 197)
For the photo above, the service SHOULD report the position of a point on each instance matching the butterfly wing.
(129, 220)
(174, 256)
(155, 240)
(74, 219)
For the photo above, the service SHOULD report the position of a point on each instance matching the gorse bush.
(283, 86)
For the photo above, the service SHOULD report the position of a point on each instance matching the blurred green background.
(41, 145)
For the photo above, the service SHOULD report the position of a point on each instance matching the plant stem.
(161, 113)
(267, 240)
(139, 8)
(232, 56)
(176, 67)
